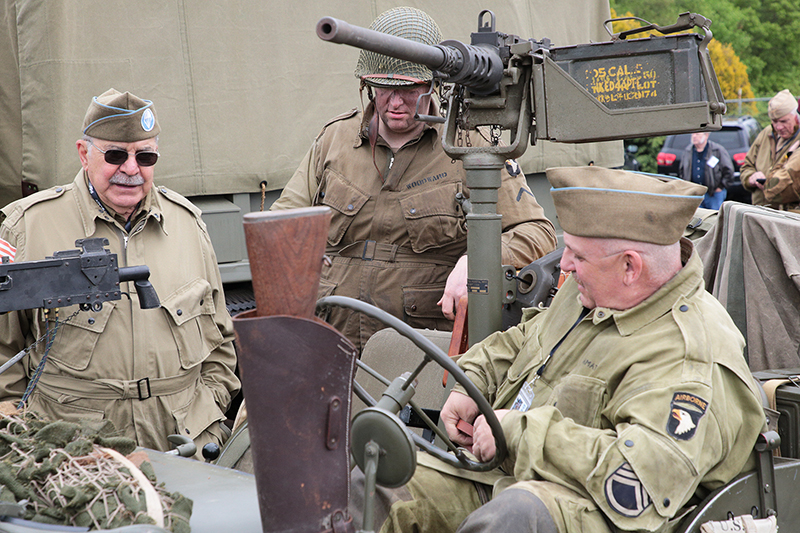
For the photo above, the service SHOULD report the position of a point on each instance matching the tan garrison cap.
(122, 117)
(615, 204)
(781, 105)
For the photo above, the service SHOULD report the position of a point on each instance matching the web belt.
(117, 389)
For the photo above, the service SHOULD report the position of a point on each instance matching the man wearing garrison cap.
(771, 170)
(623, 403)
(152, 372)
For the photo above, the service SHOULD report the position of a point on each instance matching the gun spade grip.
(286, 249)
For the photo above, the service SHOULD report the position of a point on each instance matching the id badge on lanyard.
(525, 397)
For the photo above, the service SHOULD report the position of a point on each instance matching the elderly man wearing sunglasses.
(152, 372)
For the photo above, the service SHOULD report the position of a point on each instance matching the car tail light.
(739, 158)
(665, 159)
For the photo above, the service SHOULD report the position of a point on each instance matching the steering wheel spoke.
(399, 394)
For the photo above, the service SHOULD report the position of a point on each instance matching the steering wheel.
(432, 352)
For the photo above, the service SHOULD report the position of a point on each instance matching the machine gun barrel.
(479, 68)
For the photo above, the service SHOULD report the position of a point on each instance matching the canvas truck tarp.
(241, 88)
(751, 265)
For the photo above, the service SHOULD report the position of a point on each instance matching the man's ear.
(634, 264)
(83, 153)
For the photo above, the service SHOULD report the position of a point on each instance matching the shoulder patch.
(685, 412)
(512, 167)
(625, 492)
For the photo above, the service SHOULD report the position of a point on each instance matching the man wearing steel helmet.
(152, 372)
(771, 170)
(398, 235)
(623, 404)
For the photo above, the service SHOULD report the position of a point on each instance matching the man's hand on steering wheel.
(483, 447)
(459, 407)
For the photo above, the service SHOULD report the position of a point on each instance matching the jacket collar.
(685, 283)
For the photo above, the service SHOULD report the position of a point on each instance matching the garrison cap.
(616, 204)
(781, 105)
(122, 117)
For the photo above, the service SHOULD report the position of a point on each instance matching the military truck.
(691, 103)
(241, 90)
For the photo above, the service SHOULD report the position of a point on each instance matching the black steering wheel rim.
(443, 360)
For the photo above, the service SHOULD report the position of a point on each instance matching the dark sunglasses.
(117, 157)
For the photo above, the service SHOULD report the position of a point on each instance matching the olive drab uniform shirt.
(152, 372)
(769, 154)
(638, 413)
(397, 228)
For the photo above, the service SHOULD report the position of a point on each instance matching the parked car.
(736, 136)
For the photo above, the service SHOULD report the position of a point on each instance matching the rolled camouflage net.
(72, 474)
(409, 23)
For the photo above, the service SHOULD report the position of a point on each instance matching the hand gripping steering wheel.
(378, 422)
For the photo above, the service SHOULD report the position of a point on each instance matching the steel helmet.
(410, 23)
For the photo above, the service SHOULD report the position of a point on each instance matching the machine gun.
(532, 90)
(86, 277)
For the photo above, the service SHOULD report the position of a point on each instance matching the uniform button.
(59, 189)
(179, 312)
(187, 430)
(201, 302)
(684, 308)
(90, 321)
(349, 207)
(412, 210)
(413, 307)
(666, 502)
(629, 443)
(601, 314)
(322, 194)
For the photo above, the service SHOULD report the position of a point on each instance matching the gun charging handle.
(140, 276)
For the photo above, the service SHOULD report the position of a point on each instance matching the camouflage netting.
(61, 474)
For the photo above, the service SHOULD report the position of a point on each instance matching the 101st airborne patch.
(686, 410)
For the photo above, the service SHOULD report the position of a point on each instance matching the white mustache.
(120, 178)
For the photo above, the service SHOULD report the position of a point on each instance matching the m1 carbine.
(86, 277)
(532, 90)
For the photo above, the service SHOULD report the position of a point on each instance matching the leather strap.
(459, 338)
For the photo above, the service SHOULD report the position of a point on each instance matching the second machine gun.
(86, 277)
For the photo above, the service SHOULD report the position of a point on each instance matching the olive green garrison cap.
(616, 204)
(121, 117)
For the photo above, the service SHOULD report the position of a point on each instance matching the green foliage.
(648, 148)
(764, 34)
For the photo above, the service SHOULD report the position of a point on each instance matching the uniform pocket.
(420, 309)
(199, 415)
(580, 398)
(344, 199)
(191, 310)
(434, 218)
(77, 338)
(63, 408)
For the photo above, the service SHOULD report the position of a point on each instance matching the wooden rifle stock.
(286, 250)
